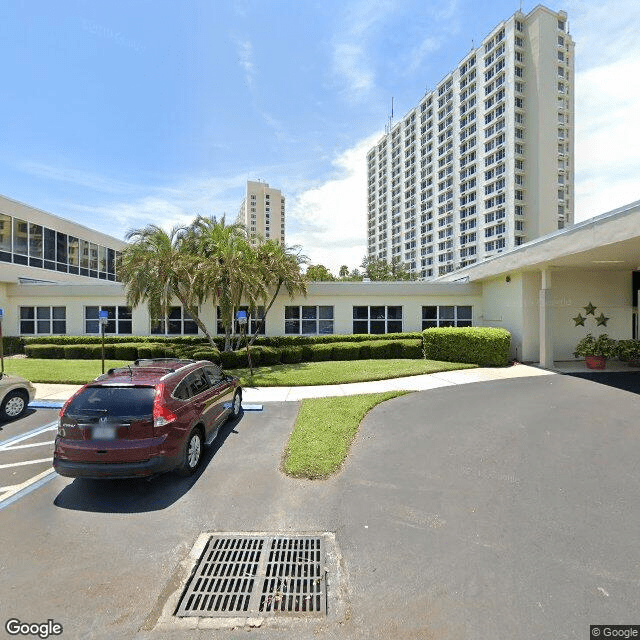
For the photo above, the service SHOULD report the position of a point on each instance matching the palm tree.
(280, 267)
(157, 267)
(227, 272)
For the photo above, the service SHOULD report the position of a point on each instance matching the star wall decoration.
(601, 320)
(590, 309)
(579, 320)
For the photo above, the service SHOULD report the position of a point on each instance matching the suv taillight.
(64, 408)
(162, 416)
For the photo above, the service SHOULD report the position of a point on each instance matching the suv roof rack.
(146, 364)
(141, 362)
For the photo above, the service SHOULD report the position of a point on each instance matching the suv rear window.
(117, 402)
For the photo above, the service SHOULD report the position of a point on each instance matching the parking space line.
(26, 487)
(22, 464)
(25, 436)
(27, 446)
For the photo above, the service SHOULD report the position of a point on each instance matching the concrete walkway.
(60, 392)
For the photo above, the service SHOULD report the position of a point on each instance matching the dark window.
(177, 322)
(377, 319)
(43, 320)
(197, 382)
(214, 374)
(308, 320)
(446, 316)
(119, 320)
(115, 402)
(254, 316)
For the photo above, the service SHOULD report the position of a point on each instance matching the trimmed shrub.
(264, 356)
(152, 350)
(125, 351)
(412, 349)
(82, 351)
(213, 355)
(228, 359)
(394, 349)
(484, 346)
(44, 351)
(378, 349)
(234, 359)
(346, 351)
(291, 355)
(12, 345)
(321, 352)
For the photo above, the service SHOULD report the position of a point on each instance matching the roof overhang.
(610, 241)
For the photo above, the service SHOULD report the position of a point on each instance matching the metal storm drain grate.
(258, 575)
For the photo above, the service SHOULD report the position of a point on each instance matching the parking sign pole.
(103, 317)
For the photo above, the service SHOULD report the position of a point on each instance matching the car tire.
(192, 453)
(14, 405)
(236, 405)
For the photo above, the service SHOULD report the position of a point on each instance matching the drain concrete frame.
(171, 600)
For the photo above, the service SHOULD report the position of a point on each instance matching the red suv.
(145, 418)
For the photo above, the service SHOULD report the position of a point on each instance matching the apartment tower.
(485, 161)
(262, 211)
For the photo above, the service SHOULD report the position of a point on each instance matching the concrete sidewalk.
(61, 392)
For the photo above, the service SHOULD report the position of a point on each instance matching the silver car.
(15, 394)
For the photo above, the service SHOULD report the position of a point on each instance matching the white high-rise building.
(485, 161)
(262, 211)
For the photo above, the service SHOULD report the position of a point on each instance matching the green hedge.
(321, 352)
(81, 351)
(44, 351)
(484, 346)
(345, 351)
(290, 355)
(350, 348)
(212, 355)
(153, 350)
(12, 345)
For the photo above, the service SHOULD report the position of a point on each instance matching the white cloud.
(165, 206)
(351, 62)
(245, 57)
(607, 103)
(607, 148)
(330, 220)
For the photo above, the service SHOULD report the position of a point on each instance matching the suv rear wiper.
(87, 410)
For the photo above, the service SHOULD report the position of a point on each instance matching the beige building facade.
(542, 292)
(262, 212)
(485, 161)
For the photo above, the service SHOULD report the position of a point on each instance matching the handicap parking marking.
(7, 444)
(18, 491)
(11, 493)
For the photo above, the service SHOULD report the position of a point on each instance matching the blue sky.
(117, 114)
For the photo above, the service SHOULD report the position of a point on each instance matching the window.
(377, 319)
(446, 316)
(43, 320)
(5, 238)
(254, 317)
(308, 319)
(119, 321)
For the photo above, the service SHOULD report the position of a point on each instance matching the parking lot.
(503, 509)
(26, 449)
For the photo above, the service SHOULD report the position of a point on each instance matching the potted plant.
(629, 351)
(596, 350)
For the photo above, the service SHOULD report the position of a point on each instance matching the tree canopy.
(207, 261)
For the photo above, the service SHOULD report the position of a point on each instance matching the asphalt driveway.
(506, 509)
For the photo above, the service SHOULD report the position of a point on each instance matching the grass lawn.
(285, 375)
(341, 372)
(324, 431)
(58, 371)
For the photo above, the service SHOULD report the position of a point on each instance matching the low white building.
(548, 293)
